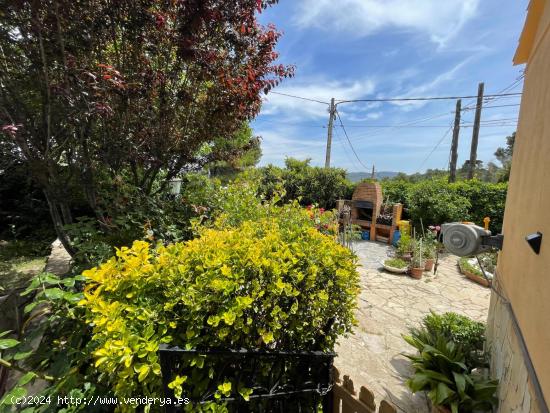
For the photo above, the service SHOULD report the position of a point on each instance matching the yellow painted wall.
(525, 276)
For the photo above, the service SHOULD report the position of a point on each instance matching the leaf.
(460, 381)
(443, 393)
(53, 293)
(225, 388)
(229, 317)
(437, 376)
(267, 337)
(245, 393)
(417, 382)
(100, 361)
(143, 372)
(15, 393)
(6, 343)
(26, 378)
(21, 355)
(29, 307)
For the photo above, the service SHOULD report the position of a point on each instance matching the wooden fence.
(346, 399)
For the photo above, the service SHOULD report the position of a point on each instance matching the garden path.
(388, 305)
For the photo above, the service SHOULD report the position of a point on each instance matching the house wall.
(524, 277)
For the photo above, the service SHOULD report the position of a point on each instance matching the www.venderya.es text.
(98, 401)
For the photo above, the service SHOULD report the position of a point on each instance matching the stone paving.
(59, 261)
(388, 305)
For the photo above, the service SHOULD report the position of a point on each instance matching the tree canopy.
(97, 91)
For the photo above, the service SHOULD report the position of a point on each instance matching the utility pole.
(475, 134)
(332, 111)
(454, 146)
(373, 174)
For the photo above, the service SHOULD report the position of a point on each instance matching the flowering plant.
(325, 221)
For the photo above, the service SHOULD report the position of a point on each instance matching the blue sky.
(360, 49)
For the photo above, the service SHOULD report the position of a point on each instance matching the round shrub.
(273, 284)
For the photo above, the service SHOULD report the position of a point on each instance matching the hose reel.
(464, 239)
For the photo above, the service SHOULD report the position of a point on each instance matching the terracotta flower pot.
(429, 264)
(476, 278)
(417, 273)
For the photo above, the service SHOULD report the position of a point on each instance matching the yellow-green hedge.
(262, 285)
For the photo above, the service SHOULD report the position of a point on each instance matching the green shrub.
(441, 371)
(395, 190)
(468, 334)
(434, 203)
(486, 200)
(307, 184)
(276, 284)
(450, 364)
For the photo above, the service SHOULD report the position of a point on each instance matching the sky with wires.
(379, 49)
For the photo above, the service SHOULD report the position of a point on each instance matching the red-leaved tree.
(98, 90)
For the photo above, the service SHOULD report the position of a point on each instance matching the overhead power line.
(420, 99)
(350, 144)
(350, 158)
(426, 98)
(300, 97)
(491, 107)
(435, 147)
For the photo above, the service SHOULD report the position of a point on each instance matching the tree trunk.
(58, 223)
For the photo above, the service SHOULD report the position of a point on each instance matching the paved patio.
(388, 305)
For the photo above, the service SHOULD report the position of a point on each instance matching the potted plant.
(429, 254)
(404, 247)
(417, 265)
(418, 262)
(430, 244)
(470, 268)
(396, 265)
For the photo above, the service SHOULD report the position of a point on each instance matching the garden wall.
(523, 275)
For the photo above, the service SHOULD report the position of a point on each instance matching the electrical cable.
(301, 97)
(426, 98)
(341, 141)
(350, 144)
(435, 147)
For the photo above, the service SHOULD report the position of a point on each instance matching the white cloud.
(279, 143)
(432, 87)
(439, 19)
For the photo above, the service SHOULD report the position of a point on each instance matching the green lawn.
(16, 270)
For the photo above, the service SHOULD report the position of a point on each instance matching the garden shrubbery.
(451, 365)
(307, 184)
(271, 284)
(437, 201)
(257, 275)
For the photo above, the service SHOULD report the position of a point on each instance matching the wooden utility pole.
(454, 146)
(475, 133)
(332, 111)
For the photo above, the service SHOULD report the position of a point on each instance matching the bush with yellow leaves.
(275, 284)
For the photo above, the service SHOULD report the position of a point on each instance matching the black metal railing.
(280, 381)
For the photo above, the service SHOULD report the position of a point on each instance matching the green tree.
(504, 156)
(244, 149)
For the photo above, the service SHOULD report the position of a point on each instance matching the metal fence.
(288, 382)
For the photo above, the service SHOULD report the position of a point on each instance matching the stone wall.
(516, 393)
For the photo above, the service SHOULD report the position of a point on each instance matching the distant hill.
(359, 176)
